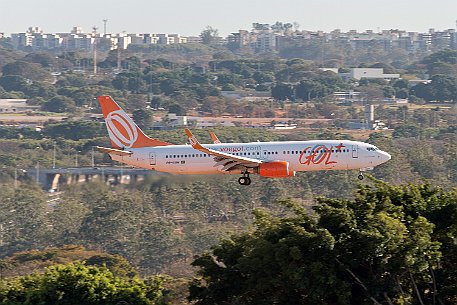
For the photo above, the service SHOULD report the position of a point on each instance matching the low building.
(16, 106)
(373, 73)
(176, 120)
(348, 96)
(247, 95)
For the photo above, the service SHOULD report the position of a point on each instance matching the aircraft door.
(355, 151)
(152, 158)
(265, 154)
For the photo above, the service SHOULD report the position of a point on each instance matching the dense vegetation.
(181, 86)
(385, 245)
(79, 284)
(388, 245)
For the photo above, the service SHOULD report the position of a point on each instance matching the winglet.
(214, 138)
(193, 140)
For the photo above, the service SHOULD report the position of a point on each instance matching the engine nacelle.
(275, 169)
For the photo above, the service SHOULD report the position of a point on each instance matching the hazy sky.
(190, 17)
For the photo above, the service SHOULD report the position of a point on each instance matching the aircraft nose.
(385, 156)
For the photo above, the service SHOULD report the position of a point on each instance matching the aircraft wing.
(226, 160)
(114, 151)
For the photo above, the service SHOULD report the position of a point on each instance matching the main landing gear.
(360, 176)
(244, 180)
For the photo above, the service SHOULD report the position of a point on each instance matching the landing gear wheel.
(360, 176)
(245, 180)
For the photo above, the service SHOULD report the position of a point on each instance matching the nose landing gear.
(244, 180)
(360, 176)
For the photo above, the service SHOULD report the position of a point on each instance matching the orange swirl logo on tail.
(122, 130)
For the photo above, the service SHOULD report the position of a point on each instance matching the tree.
(13, 83)
(170, 86)
(379, 248)
(444, 87)
(442, 62)
(80, 284)
(386, 67)
(307, 90)
(27, 70)
(388, 91)
(209, 35)
(40, 89)
(143, 118)
(177, 109)
(121, 82)
(59, 104)
(48, 61)
(283, 92)
(75, 130)
(22, 219)
(441, 88)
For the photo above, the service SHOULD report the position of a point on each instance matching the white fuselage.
(302, 156)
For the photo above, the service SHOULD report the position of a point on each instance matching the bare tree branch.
(415, 288)
(359, 282)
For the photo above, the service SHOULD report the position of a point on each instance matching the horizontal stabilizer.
(114, 151)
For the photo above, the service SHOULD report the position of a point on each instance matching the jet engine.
(275, 169)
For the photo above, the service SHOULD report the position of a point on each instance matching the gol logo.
(193, 141)
(122, 130)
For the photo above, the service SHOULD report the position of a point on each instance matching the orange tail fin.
(123, 132)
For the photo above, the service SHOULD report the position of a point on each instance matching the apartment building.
(77, 39)
(261, 38)
(359, 73)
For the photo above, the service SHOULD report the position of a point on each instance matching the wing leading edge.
(227, 161)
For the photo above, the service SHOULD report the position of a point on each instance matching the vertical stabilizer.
(123, 132)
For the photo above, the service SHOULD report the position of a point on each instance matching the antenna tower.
(94, 32)
(118, 56)
(105, 21)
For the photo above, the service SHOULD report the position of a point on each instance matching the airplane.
(130, 145)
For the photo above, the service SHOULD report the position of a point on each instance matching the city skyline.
(190, 18)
